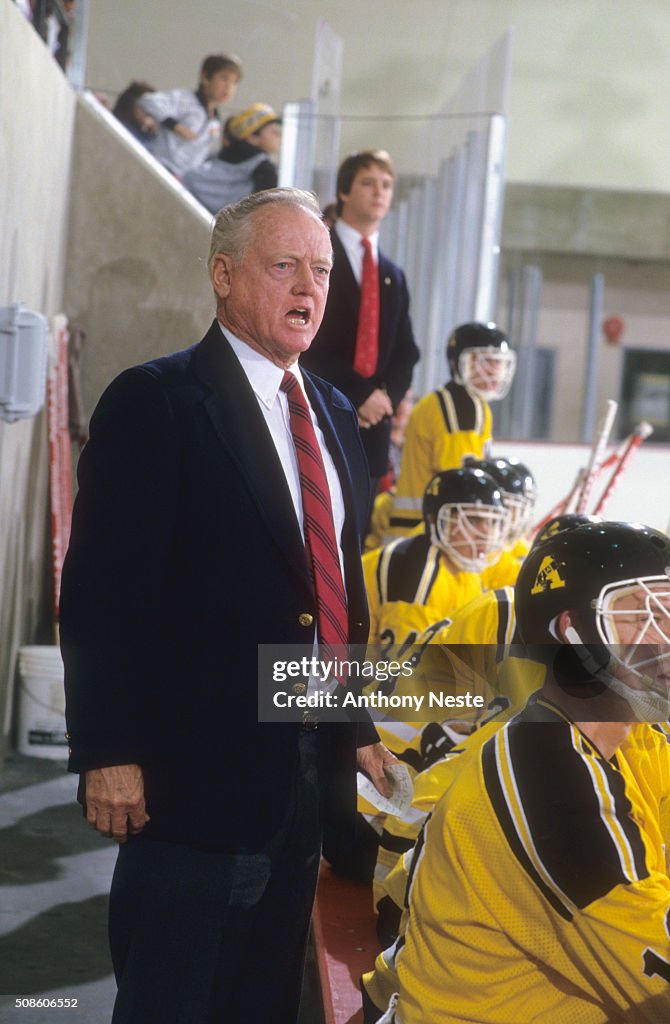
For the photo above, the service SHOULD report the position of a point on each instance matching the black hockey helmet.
(481, 359)
(588, 570)
(565, 521)
(513, 484)
(465, 517)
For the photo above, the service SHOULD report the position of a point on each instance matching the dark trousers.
(202, 937)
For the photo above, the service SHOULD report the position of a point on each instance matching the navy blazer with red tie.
(331, 354)
(185, 555)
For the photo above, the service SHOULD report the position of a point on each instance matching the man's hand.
(374, 409)
(371, 760)
(115, 801)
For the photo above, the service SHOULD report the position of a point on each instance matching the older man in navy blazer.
(365, 183)
(187, 551)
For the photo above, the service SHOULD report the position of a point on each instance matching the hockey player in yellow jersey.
(482, 641)
(541, 893)
(414, 585)
(519, 494)
(417, 582)
(455, 420)
(482, 650)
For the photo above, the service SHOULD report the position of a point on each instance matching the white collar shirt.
(351, 241)
(265, 379)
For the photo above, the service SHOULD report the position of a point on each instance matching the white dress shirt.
(265, 379)
(351, 240)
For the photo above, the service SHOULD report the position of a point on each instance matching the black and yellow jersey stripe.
(410, 588)
(445, 426)
(542, 891)
(563, 809)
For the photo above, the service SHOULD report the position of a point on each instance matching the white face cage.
(638, 641)
(487, 372)
(471, 535)
(520, 513)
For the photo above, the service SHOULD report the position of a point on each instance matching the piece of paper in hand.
(402, 790)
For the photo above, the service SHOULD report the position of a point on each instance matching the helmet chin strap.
(646, 705)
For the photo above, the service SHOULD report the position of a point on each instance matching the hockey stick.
(597, 455)
(565, 504)
(640, 434)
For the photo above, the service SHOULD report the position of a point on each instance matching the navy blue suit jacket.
(185, 555)
(331, 354)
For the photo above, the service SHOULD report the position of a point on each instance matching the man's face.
(220, 88)
(369, 199)
(472, 535)
(636, 621)
(471, 538)
(268, 138)
(275, 297)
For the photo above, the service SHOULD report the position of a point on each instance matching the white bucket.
(41, 711)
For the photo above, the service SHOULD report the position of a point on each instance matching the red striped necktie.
(367, 335)
(320, 542)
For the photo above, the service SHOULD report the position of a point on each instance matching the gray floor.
(54, 880)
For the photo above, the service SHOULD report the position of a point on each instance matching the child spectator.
(242, 166)
(188, 121)
(129, 112)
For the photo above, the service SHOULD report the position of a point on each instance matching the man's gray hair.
(232, 227)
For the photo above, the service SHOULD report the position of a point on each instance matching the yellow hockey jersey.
(541, 893)
(412, 592)
(481, 647)
(390, 889)
(505, 569)
(445, 426)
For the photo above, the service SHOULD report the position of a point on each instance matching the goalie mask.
(465, 517)
(480, 358)
(614, 579)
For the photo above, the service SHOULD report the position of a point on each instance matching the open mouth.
(298, 317)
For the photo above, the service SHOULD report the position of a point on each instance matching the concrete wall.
(136, 277)
(589, 80)
(36, 118)
(91, 228)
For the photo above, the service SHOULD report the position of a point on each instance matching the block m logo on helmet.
(548, 576)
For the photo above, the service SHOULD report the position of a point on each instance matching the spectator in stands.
(243, 165)
(127, 109)
(188, 122)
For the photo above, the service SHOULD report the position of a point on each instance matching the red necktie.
(320, 542)
(367, 335)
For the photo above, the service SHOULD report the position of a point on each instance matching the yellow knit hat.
(251, 120)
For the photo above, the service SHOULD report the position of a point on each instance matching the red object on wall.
(613, 328)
